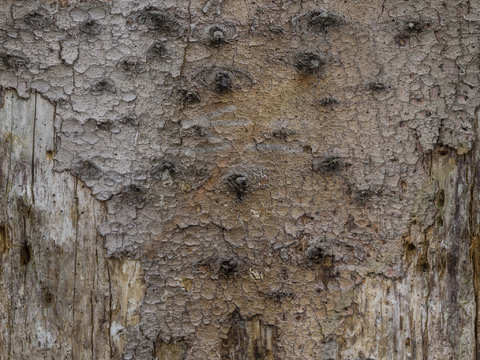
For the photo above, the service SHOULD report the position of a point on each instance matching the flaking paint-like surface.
(269, 160)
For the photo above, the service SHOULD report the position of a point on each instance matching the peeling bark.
(230, 180)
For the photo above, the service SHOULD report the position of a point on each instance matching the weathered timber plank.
(127, 288)
(91, 338)
(55, 229)
(20, 201)
(5, 265)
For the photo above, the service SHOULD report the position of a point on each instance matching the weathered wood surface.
(432, 312)
(60, 297)
(230, 180)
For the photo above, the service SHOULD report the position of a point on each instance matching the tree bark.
(239, 180)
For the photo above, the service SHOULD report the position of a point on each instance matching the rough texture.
(262, 180)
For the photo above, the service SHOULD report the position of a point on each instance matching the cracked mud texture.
(258, 159)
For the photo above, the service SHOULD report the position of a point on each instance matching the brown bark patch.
(25, 254)
(249, 339)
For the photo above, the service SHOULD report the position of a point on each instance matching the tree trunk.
(239, 180)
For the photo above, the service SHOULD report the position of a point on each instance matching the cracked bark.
(300, 182)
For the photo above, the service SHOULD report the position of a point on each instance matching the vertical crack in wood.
(427, 300)
(76, 215)
(475, 259)
(109, 279)
(474, 233)
(33, 149)
(10, 284)
(53, 129)
(92, 326)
